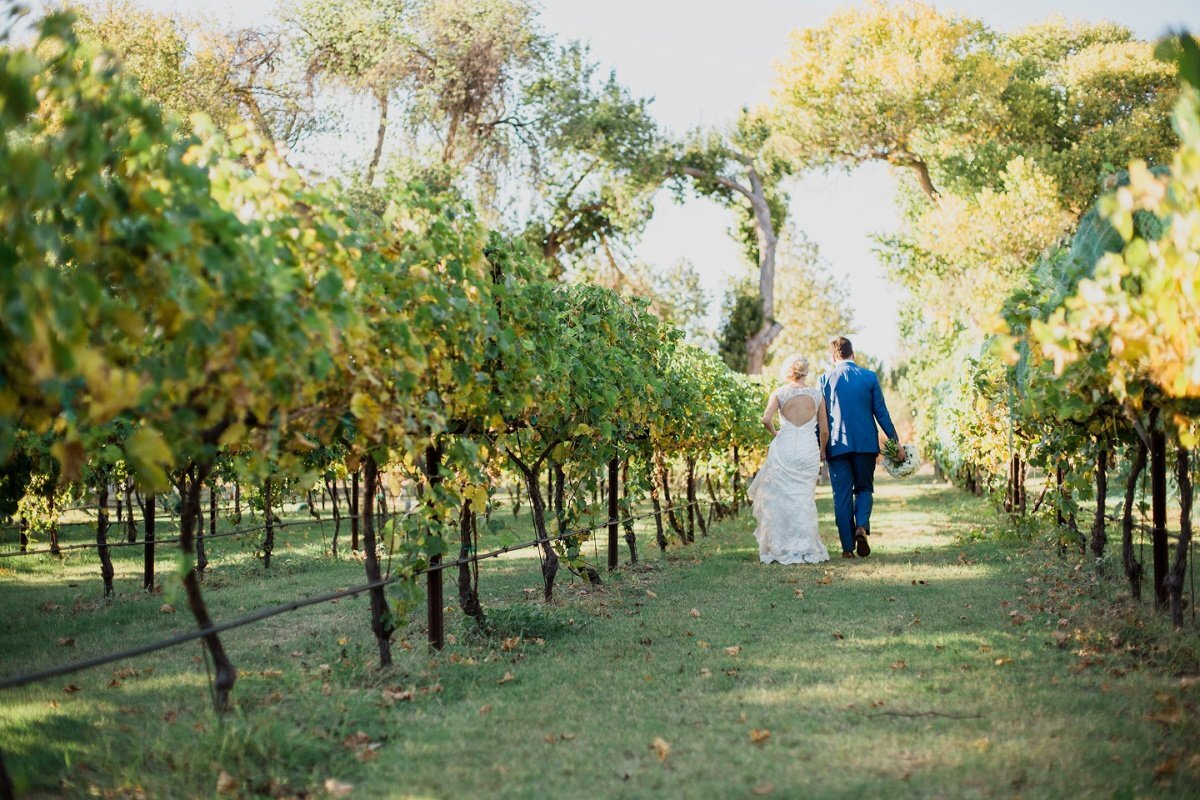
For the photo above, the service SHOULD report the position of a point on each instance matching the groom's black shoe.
(860, 540)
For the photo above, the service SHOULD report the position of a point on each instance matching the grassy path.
(945, 665)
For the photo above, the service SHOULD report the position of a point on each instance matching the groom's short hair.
(842, 347)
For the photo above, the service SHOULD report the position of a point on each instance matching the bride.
(784, 491)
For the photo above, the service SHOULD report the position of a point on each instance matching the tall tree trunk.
(627, 513)
(268, 545)
(225, 674)
(1133, 568)
(212, 507)
(237, 501)
(380, 619)
(468, 571)
(382, 99)
(768, 241)
(1174, 580)
(148, 520)
(331, 489)
(1099, 537)
(106, 565)
(23, 526)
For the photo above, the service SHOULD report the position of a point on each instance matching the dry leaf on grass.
(508, 676)
(510, 643)
(337, 788)
(1167, 768)
(226, 783)
(66, 641)
(763, 788)
(733, 651)
(71, 688)
(838, 635)
(486, 708)
(799, 594)
(900, 664)
(272, 673)
(759, 735)
(651, 595)
(705, 672)
(166, 608)
(1003, 662)
(694, 613)
(661, 748)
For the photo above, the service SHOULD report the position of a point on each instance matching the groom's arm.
(879, 409)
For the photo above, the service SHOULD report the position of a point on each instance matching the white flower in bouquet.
(900, 461)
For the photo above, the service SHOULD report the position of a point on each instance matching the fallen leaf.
(486, 708)
(799, 594)
(1167, 768)
(901, 664)
(983, 745)
(66, 641)
(510, 643)
(694, 613)
(731, 673)
(661, 748)
(166, 608)
(759, 735)
(272, 673)
(342, 640)
(508, 676)
(226, 783)
(566, 737)
(705, 672)
(1001, 662)
(397, 694)
(550, 738)
(763, 788)
(71, 688)
(733, 651)
(337, 788)
(651, 595)
(838, 635)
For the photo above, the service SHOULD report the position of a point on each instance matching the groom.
(855, 404)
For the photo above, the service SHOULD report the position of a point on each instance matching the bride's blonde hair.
(797, 368)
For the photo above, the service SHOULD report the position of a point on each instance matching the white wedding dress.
(784, 491)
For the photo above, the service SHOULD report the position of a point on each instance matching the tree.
(891, 83)
(359, 45)
(743, 170)
(190, 67)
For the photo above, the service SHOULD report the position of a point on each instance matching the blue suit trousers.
(852, 477)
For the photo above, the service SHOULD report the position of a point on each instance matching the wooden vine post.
(148, 517)
(1158, 513)
(433, 578)
(613, 512)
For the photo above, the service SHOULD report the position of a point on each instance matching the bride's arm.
(768, 419)
(822, 426)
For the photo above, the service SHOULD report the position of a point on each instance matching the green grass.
(905, 674)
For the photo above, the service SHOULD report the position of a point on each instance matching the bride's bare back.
(798, 409)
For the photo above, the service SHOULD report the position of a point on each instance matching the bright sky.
(703, 60)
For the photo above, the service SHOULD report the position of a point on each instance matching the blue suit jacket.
(854, 403)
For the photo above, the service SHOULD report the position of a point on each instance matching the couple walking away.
(834, 423)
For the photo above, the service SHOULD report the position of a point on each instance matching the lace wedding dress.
(784, 491)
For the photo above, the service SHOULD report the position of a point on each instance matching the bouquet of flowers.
(900, 461)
